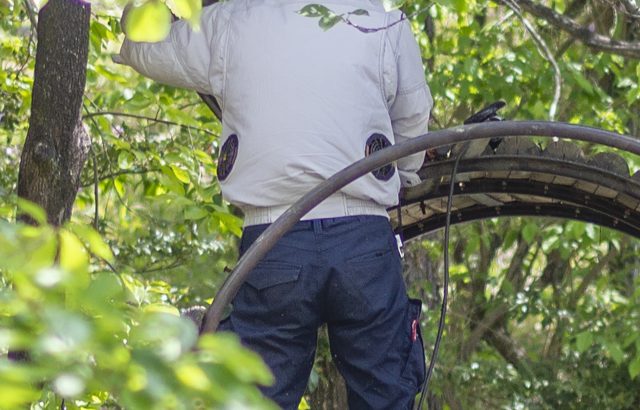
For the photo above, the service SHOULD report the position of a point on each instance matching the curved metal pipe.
(276, 230)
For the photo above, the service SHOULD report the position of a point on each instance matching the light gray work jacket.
(299, 103)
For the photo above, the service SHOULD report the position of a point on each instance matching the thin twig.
(586, 35)
(32, 9)
(114, 174)
(95, 187)
(177, 262)
(544, 51)
(143, 117)
(629, 8)
(24, 63)
(402, 18)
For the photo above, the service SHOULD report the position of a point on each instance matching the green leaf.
(126, 159)
(529, 232)
(181, 174)
(203, 157)
(161, 308)
(225, 348)
(584, 341)
(360, 12)
(390, 5)
(328, 21)
(582, 81)
(576, 229)
(615, 352)
(186, 9)
(634, 367)
(18, 394)
(314, 10)
(119, 187)
(93, 240)
(195, 212)
(304, 405)
(169, 180)
(150, 22)
(230, 222)
(460, 6)
(193, 376)
(73, 255)
(33, 210)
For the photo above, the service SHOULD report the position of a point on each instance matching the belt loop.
(345, 204)
(317, 225)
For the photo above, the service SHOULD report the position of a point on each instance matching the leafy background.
(543, 314)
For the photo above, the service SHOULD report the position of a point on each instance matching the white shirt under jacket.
(303, 102)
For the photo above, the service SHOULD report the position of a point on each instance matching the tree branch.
(630, 8)
(544, 51)
(135, 171)
(32, 9)
(142, 117)
(510, 351)
(594, 272)
(486, 324)
(96, 190)
(587, 36)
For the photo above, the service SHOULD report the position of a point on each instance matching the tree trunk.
(331, 393)
(57, 144)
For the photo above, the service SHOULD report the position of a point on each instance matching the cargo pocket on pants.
(414, 370)
(272, 285)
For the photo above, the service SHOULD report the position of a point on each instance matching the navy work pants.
(345, 272)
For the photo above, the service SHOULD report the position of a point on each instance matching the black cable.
(445, 291)
(488, 113)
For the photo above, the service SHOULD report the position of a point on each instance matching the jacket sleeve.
(183, 59)
(412, 103)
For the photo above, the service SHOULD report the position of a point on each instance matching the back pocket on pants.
(272, 286)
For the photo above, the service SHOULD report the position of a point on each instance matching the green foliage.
(569, 334)
(97, 309)
(92, 342)
(151, 20)
(327, 17)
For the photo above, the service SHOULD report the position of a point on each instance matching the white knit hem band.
(335, 206)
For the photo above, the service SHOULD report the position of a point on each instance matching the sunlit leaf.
(186, 9)
(193, 376)
(314, 10)
(180, 173)
(93, 240)
(304, 405)
(161, 308)
(73, 255)
(390, 5)
(329, 20)
(149, 22)
(34, 211)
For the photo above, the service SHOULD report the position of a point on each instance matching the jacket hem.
(335, 206)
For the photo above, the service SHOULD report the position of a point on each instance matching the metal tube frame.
(434, 139)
